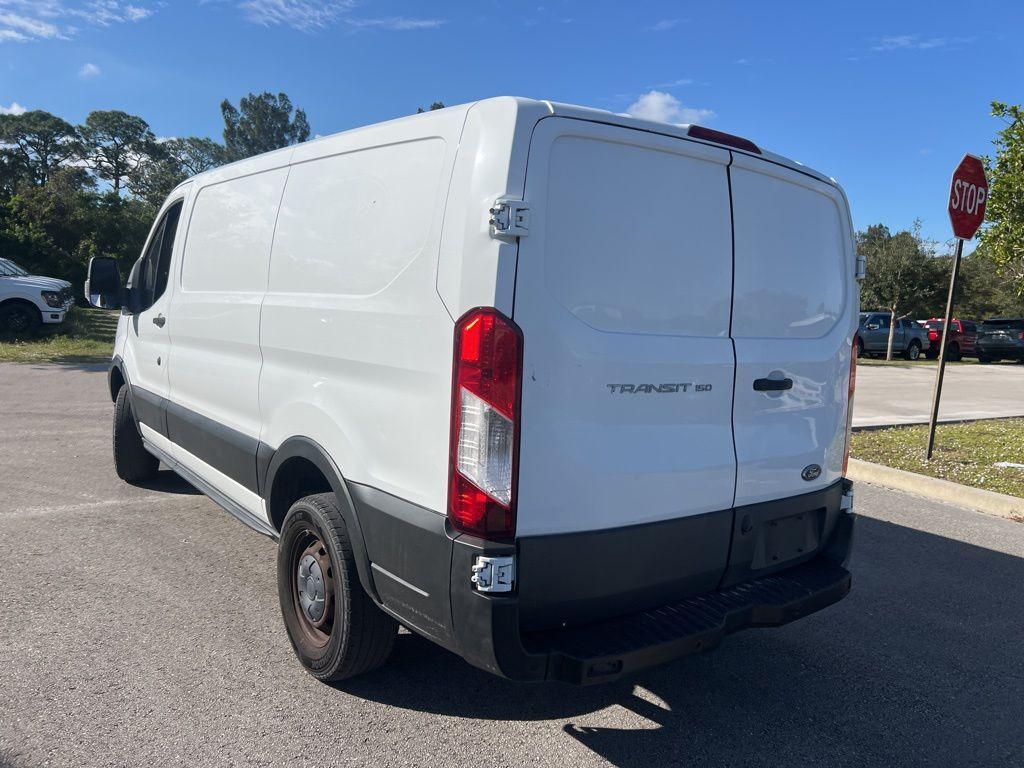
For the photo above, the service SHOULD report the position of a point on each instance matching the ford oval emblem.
(811, 472)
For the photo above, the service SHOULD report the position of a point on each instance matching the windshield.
(9, 269)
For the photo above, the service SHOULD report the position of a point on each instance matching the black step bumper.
(620, 646)
(488, 631)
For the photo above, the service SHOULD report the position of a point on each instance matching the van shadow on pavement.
(855, 684)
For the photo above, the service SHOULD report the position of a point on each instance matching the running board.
(222, 501)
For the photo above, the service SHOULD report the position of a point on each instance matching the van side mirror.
(103, 285)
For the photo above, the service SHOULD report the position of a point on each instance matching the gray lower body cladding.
(592, 606)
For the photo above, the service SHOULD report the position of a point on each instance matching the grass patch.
(922, 362)
(85, 336)
(964, 453)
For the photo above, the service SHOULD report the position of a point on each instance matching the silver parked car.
(910, 340)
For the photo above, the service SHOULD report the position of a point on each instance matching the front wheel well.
(116, 382)
(296, 478)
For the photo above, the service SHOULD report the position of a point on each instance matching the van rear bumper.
(488, 632)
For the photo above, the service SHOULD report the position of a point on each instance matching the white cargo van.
(565, 392)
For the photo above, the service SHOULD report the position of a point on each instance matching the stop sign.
(967, 195)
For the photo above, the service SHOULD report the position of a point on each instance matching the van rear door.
(623, 293)
(793, 319)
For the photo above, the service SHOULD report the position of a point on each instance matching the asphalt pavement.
(140, 626)
(894, 394)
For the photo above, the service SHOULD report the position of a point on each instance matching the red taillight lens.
(849, 403)
(486, 389)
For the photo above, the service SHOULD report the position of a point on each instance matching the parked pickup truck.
(910, 339)
(960, 341)
(1001, 338)
(28, 301)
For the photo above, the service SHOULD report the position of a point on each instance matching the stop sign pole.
(968, 193)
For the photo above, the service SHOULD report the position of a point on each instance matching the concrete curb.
(999, 504)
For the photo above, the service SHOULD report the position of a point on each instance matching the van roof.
(554, 109)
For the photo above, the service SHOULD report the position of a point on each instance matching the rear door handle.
(159, 321)
(772, 385)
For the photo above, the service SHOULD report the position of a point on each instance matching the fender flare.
(117, 364)
(270, 461)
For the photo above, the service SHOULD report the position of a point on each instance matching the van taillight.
(486, 390)
(720, 137)
(849, 403)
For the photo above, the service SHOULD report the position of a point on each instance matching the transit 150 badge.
(646, 389)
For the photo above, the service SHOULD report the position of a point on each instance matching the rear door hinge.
(509, 218)
(862, 267)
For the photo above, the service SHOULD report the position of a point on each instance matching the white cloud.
(917, 42)
(665, 108)
(399, 23)
(665, 24)
(27, 25)
(14, 109)
(671, 84)
(310, 15)
(26, 20)
(89, 71)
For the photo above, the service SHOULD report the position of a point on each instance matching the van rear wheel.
(133, 463)
(334, 626)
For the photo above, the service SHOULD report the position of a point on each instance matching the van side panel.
(213, 321)
(357, 345)
(795, 313)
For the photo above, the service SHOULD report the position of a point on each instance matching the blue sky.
(886, 97)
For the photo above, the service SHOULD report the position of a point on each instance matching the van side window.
(156, 263)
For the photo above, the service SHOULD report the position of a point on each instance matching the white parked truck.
(29, 301)
(563, 391)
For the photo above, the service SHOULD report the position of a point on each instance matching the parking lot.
(902, 394)
(140, 626)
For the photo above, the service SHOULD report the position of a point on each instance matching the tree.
(431, 108)
(983, 292)
(261, 123)
(1003, 236)
(36, 143)
(172, 162)
(116, 147)
(902, 274)
(194, 154)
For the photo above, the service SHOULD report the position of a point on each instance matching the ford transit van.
(566, 392)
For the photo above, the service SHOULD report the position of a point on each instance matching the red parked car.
(962, 339)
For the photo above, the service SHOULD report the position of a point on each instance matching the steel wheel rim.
(312, 577)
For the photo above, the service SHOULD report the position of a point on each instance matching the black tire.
(348, 635)
(953, 352)
(20, 319)
(134, 464)
(983, 359)
(860, 347)
(932, 354)
(913, 352)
